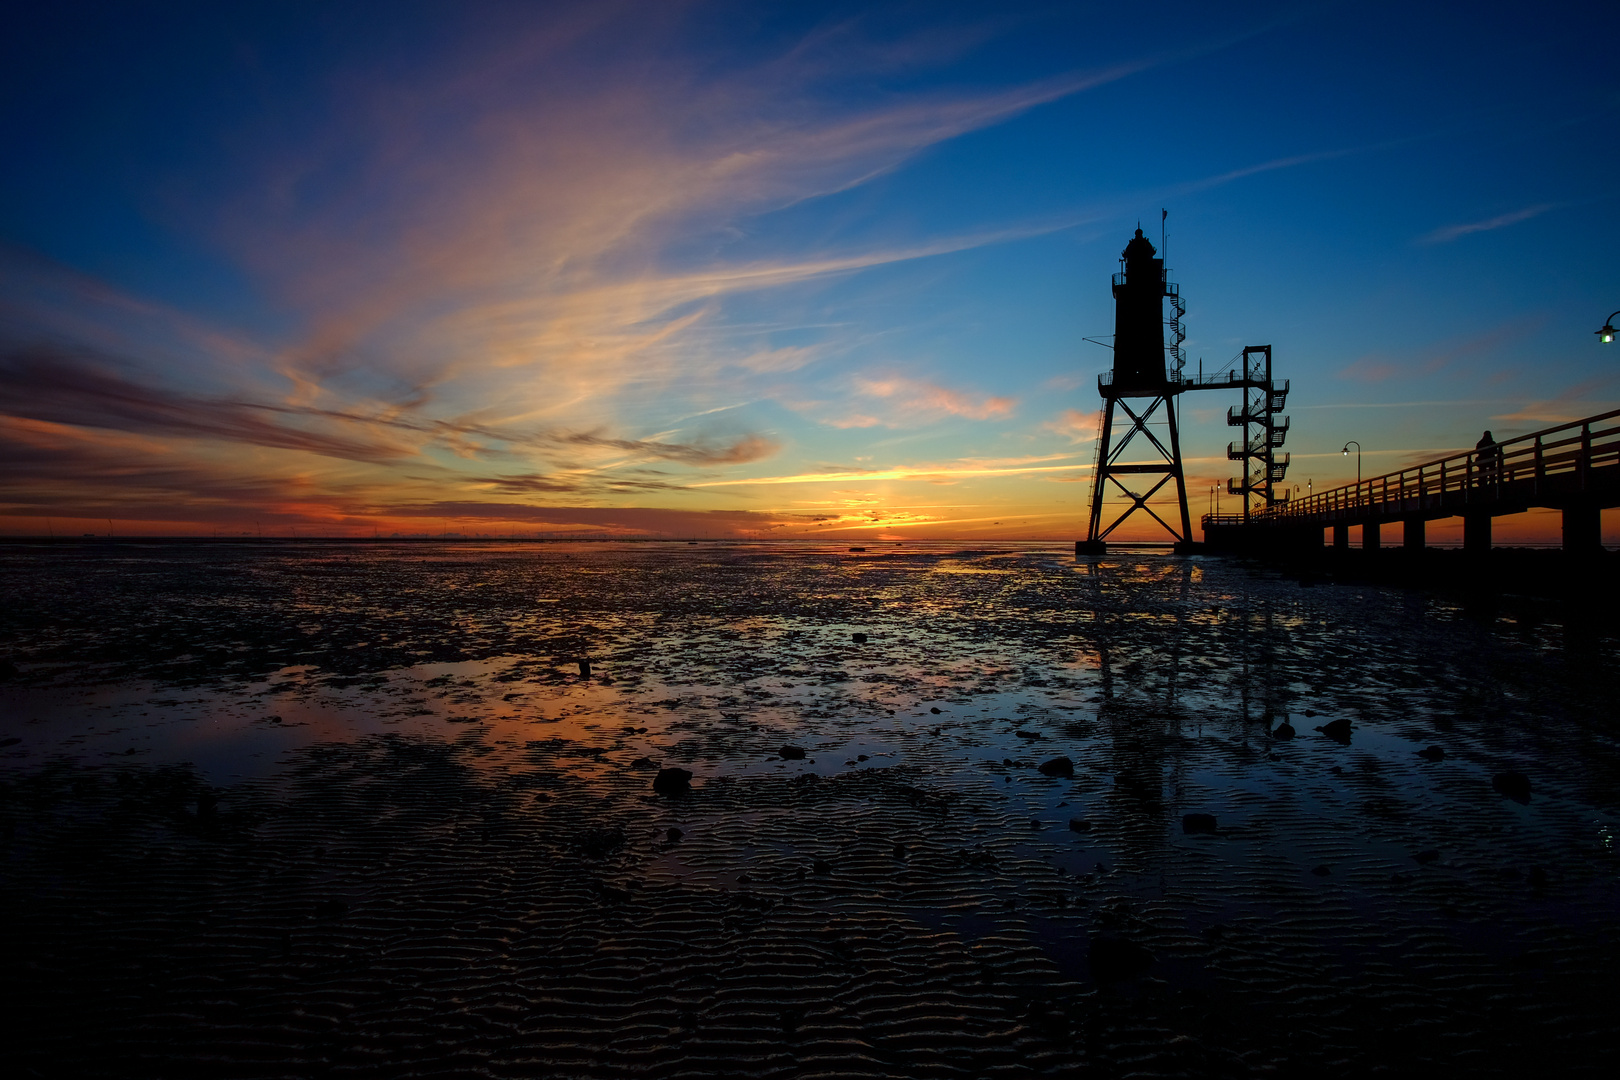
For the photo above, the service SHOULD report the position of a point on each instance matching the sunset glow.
(717, 270)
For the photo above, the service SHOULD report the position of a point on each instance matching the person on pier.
(1487, 459)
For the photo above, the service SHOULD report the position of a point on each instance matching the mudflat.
(912, 810)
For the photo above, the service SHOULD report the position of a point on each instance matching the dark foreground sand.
(452, 861)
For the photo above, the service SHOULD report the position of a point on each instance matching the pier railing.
(1514, 468)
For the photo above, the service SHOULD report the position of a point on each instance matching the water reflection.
(399, 731)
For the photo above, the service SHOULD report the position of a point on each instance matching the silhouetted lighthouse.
(1141, 372)
(1139, 293)
(1146, 376)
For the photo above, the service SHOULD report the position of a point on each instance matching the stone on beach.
(1058, 766)
(1432, 753)
(1196, 824)
(792, 753)
(1515, 785)
(672, 781)
(601, 842)
(1337, 730)
(1115, 959)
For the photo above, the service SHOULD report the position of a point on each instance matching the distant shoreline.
(1145, 545)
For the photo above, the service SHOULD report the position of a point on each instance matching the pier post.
(1369, 536)
(1341, 538)
(1477, 533)
(1583, 529)
(1412, 534)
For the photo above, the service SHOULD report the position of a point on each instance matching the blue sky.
(774, 270)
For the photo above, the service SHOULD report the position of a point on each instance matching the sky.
(786, 270)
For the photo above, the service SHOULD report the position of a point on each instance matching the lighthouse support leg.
(1092, 544)
(1184, 542)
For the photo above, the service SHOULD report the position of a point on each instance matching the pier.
(1572, 467)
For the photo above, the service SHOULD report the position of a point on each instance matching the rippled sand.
(298, 811)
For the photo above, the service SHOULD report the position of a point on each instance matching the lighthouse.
(1139, 395)
(1146, 378)
(1139, 291)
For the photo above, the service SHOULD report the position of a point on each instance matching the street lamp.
(1346, 452)
(1606, 334)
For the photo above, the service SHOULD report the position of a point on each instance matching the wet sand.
(335, 811)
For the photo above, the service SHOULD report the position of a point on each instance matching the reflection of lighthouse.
(1140, 374)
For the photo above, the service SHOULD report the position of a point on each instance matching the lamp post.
(1346, 452)
(1606, 334)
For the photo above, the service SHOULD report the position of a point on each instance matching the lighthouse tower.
(1139, 292)
(1146, 378)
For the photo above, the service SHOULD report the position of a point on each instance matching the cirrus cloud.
(1449, 233)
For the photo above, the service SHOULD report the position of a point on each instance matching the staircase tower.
(1263, 435)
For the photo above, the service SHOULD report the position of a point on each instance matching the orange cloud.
(914, 399)
(1373, 368)
(1571, 404)
(1369, 369)
(853, 420)
(1074, 425)
(488, 268)
(919, 472)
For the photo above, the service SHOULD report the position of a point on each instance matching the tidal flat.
(337, 809)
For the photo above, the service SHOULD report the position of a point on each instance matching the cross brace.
(1109, 469)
